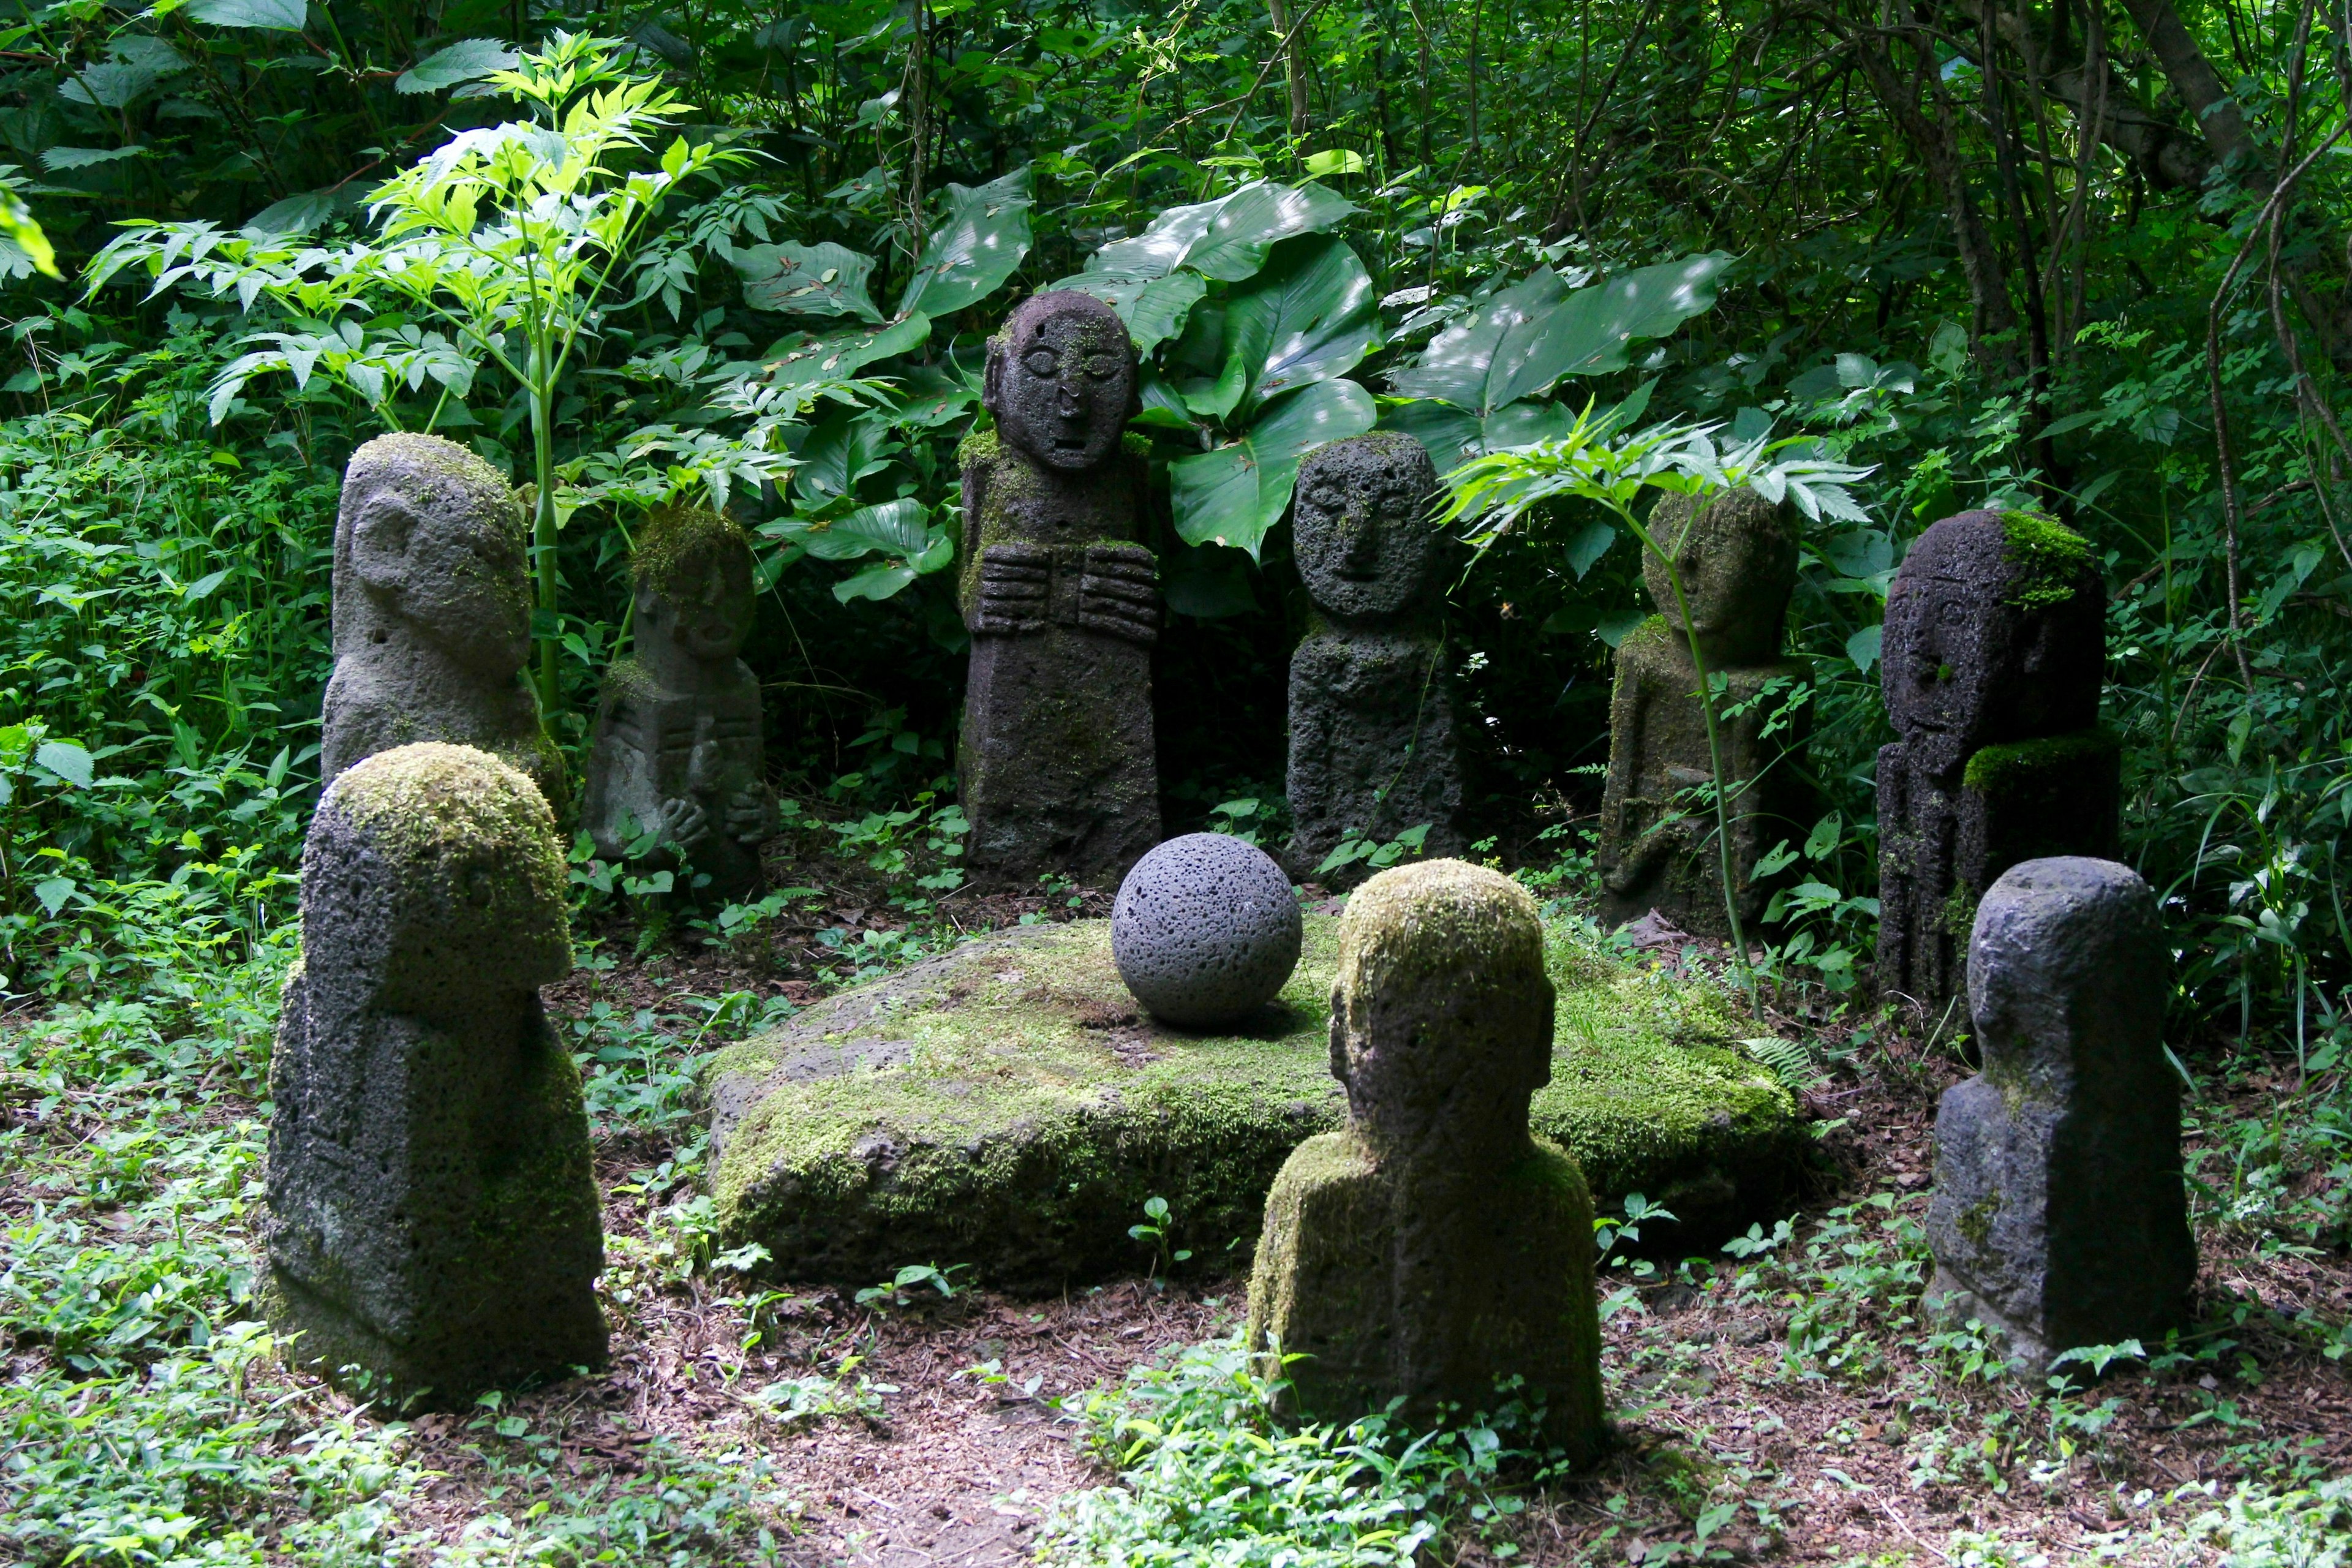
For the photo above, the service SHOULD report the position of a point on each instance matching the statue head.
(2067, 976)
(1738, 559)
(692, 575)
(1995, 630)
(429, 547)
(1061, 380)
(1441, 1015)
(1368, 547)
(433, 882)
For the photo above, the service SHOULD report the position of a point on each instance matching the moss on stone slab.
(1008, 1106)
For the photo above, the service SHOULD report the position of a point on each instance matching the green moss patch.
(2045, 558)
(1008, 1106)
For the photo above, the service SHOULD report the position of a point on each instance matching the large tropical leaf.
(1227, 240)
(1529, 336)
(1308, 317)
(277, 16)
(1154, 309)
(1234, 495)
(894, 528)
(975, 247)
(804, 357)
(821, 279)
(468, 60)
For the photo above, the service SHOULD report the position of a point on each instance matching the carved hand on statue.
(1015, 583)
(1661, 840)
(1118, 592)
(751, 815)
(685, 822)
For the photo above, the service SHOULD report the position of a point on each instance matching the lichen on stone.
(423, 804)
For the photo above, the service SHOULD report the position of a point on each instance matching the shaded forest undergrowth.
(1781, 1400)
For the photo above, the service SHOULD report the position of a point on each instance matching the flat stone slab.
(1009, 1106)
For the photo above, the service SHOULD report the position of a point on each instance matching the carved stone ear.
(992, 380)
(380, 540)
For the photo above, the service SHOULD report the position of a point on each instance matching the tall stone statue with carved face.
(1058, 760)
(1992, 658)
(431, 614)
(677, 773)
(1736, 557)
(1372, 747)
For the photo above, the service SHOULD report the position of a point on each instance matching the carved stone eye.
(1102, 367)
(1042, 361)
(1327, 498)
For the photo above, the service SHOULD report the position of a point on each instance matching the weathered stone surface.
(1432, 1247)
(1058, 761)
(677, 750)
(1008, 1105)
(432, 1216)
(1738, 559)
(1205, 931)
(1372, 745)
(2059, 1214)
(431, 614)
(1992, 663)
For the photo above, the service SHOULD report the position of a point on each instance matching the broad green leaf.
(842, 450)
(113, 84)
(1234, 495)
(1590, 543)
(1227, 238)
(56, 160)
(894, 528)
(975, 247)
(295, 215)
(1529, 336)
(468, 60)
(67, 761)
(1338, 160)
(276, 15)
(53, 892)
(1306, 316)
(873, 583)
(1588, 334)
(804, 357)
(1207, 583)
(822, 279)
(1452, 434)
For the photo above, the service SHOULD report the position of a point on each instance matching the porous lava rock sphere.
(1205, 929)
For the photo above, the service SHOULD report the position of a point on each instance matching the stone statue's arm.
(751, 815)
(1621, 862)
(1013, 584)
(1118, 592)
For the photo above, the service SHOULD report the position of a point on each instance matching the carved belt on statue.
(1107, 588)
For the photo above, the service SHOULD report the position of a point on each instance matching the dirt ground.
(955, 1460)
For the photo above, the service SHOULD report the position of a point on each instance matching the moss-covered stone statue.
(1059, 762)
(1373, 748)
(431, 614)
(2059, 1216)
(432, 1216)
(1737, 558)
(1434, 1245)
(1992, 657)
(676, 751)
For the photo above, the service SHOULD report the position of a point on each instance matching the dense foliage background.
(2086, 258)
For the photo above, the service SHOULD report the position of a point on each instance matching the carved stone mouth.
(1065, 444)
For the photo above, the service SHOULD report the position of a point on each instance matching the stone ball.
(1205, 929)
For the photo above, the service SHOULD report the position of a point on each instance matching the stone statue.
(1372, 750)
(1058, 761)
(433, 1219)
(2059, 1214)
(1434, 1245)
(1737, 558)
(432, 617)
(677, 750)
(1991, 663)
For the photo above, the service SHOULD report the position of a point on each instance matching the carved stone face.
(435, 542)
(707, 613)
(1963, 668)
(1367, 549)
(1062, 380)
(1737, 560)
(1442, 1014)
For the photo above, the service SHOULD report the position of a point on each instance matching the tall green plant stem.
(542, 520)
(1714, 739)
